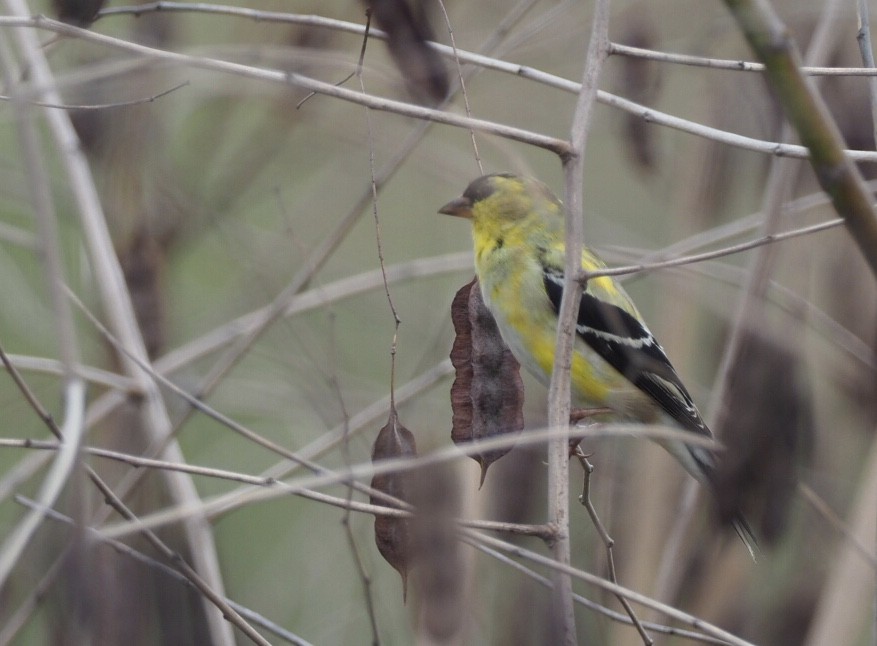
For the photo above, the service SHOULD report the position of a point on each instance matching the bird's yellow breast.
(512, 285)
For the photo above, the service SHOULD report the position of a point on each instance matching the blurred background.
(232, 195)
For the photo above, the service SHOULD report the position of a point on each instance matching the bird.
(518, 231)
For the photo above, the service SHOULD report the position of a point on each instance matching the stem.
(807, 112)
(608, 542)
(559, 390)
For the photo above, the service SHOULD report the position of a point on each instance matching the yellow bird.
(518, 233)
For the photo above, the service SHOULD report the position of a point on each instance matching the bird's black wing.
(629, 347)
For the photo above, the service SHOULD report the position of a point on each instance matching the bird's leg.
(576, 415)
(585, 499)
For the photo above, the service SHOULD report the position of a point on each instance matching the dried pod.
(392, 534)
(442, 574)
(80, 13)
(143, 260)
(487, 397)
(408, 36)
(640, 80)
(768, 432)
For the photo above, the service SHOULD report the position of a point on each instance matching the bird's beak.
(461, 207)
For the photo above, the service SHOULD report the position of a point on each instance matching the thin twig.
(532, 437)
(559, 387)
(552, 144)
(728, 64)
(395, 465)
(364, 576)
(380, 246)
(843, 610)
(866, 48)
(766, 239)
(838, 523)
(102, 106)
(523, 71)
(73, 390)
(650, 115)
(95, 376)
(462, 81)
(750, 309)
(179, 563)
(126, 550)
(613, 588)
(70, 434)
(608, 542)
(324, 22)
(326, 441)
(358, 71)
(117, 302)
(401, 509)
(366, 580)
(364, 470)
(716, 135)
(323, 251)
(591, 605)
(39, 187)
(14, 622)
(807, 112)
(297, 303)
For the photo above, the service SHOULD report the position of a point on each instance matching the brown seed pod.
(408, 36)
(392, 534)
(487, 397)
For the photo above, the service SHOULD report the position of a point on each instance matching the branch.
(864, 38)
(71, 432)
(559, 387)
(117, 303)
(613, 588)
(552, 144)
(807, 112)
(729, 64)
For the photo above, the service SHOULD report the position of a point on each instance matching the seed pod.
(80, 13)
(408, 36)
(442, 574)
(640, 81)
(769, 427)
(487, 397)
(393, 534)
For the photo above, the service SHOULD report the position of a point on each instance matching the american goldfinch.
(518, 231)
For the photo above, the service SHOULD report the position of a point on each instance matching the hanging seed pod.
(442, 570)
(773, 430)
(80, 13)
(408, 35)
(392, 534)
(640, 80)
(487, 397)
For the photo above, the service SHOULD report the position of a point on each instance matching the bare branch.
(806, 110)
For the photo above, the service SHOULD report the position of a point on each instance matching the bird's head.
(504, 199)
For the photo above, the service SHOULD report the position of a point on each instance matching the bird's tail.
(744, 531)
(701, 464)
